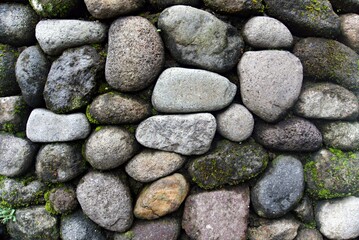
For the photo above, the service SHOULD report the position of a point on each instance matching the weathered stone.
(13, 114)
(182, 90)
(234, 6)
(342, 135)
(61, 200)
(190, 134)
(349, 6)
(107, 9)
(349, 28)
(306, 234)
(161, 4)
(161, 197)
(135, 54)
(228, 163)
(8, 84)
(54, 8)
(197, 38)
(270, 82)
(304, 210)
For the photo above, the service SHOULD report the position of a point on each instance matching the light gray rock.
(16, 155)
(54, 36)
(135, 54)
(150, 165)
(8, 84)
(270, 82)
(107, 9)
(234, 6)
(13, 114)
(190, 134)
(235, 123)
(267, 32)
(182, 90)
(309, 234)
(109, 147)
(342, 135)
(106, 200)
(54, 8)
(349, 28)
(218, 214)
(46, 126)
(339, 219)
(327, 101)
(197, 38)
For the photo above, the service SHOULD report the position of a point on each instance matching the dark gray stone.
(161, 4)
(54, 8)
(234, 6)
(32, 68)
(294, 134)
(304, 210)
(61, 200)
(197, 38)
(13, 114)
(350, 6)
(8, 84)
(280, 188)
(309, 234)
(109, 9)
(340, 134)
(71, 83)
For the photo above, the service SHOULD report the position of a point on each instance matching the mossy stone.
(53, 8)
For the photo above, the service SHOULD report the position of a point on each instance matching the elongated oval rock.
(341, 134)
(181, 90)
(46, 126)
(190, 134)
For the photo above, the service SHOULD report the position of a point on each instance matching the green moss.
(104, 88)
(77, 102)
(316, 6)
(53, 8)
(9, 127)
(311, 225)
(98, 128)
(89, 116)
(20, 134)
(129, 235)
(48, 206)
(130, 127)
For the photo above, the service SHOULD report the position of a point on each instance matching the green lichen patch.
(90, 117)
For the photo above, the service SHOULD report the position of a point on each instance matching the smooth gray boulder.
(189, 134)
(46, 126)
(270, 82)
(182, 90)
(341, 134)
(110, 9)
(197, 38)
(54, 36)
(54, 8)
(8, 84)
(349, 27)
(13, 114)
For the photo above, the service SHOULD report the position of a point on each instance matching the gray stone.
(219, 214)
(327, 101)
(118, 108)
(113, 8)
(270, 82)
(190, 134)
(54, 36)
(46, 126)
(228, 163)
(16, 155)
(294, 134)
(267, 32)
(350, 6)
(109, 147)
(135, 54)
(304, 210)
(13, 114)
(54, 8)
(8, 85)
(197, 38)
(17, 24)
(325, 59)
(106, 200)
(349, 30)
(77, 226)
(235, 123)
(161, 4)
(150, 165)
(280, 188)
(62, 200)
(182, 90)
(332, 173)
(234, 6)
(71, 82)
(306, 17)
(309, 234)
(59, 162)
(339, 219)
(32, 68)
(33, 223)
(340, 134)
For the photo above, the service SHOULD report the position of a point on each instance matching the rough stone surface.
(13, 114)
(267, 32)
(71, 82)
(325, 59)
(349, 6)
(106, 200)
(306, 234)
(234, 6)
(235, 123)
(8, 85)
(33, 223)
(270, 82)
(161, 4)
(109, 147)
(135, 54)
(279, 189)
(46, 126)
(17, 24)
(306, 17)
(304, 210)
(54, 36)
(63, 200)
(77, 226)
(32, 68)
(349, 27)
(16, 155)
(228, 163)
(294, 134)
(190, 134)
(54, 8)
(59, 162)
(162, 197)
(113, 8)
(150, 165)
(182, 90)
(339, 219)
(219, 214)
(327, 101)
(116, 108)
(342, 135)
(197, 38)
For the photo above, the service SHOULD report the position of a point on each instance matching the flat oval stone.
(46, 126)
(190, 134)
(135, 54)
(182, 90)
(341, 134)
